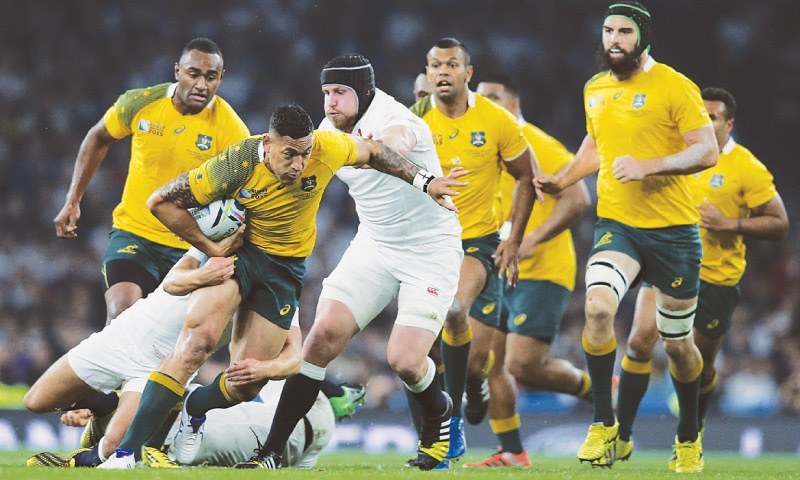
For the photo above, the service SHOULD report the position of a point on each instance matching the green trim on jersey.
(227, 177)
(594, 77)
(422, 107)
(132, 101)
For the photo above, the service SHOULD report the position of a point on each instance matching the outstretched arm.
(92, 151)
(387, 160)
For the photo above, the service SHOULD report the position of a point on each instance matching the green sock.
(633, 383)
(208, 397)
(160, 394)
(600, 364)
(688, 394)
(455, 353)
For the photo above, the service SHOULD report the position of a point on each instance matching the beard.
(622, 68)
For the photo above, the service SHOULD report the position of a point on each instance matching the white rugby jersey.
(389, 209)
(231, 434)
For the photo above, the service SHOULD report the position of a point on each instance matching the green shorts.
(715, 306)
(486, 307)
(669, 257)
(534, 308)
(147, 258)
(270, 285)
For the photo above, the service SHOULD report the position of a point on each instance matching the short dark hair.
(505, 81)
(205, 45)
(291, 121)
(717, 94)
(450, 42)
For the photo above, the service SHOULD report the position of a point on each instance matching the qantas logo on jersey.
(716, 180)
(477, 139)
(203, 142)
(151, 127)
(308, 183)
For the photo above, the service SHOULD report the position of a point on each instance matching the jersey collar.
(174, 86)
(649, 64)
(726, 149)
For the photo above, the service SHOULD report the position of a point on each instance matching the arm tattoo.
(179, 193)
(390, 162)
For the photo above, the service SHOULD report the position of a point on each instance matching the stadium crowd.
(59, 77)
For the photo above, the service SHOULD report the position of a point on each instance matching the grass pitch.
(355, 465)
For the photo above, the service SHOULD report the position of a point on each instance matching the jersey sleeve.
(336, 149)
(688, 110)
(226, 173)
(511, 142)
(113, 119)
(759, 187)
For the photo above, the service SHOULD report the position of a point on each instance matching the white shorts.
(424, 278)
(132, 345)
(231, 434)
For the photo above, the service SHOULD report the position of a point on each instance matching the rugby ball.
(219, 218)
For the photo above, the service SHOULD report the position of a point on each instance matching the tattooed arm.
(386, 160)
(169, 204)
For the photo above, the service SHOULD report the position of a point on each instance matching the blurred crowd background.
(64, 63)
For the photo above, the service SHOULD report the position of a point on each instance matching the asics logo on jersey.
(286, 309)
(604, 240)
(203, 142)
(520, 319)
(477, 139)
(618, 95)
(677, 282)
(453, 135)
(179, 130)
(488, 308)
(129, 249)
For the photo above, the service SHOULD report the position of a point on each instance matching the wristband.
(422, 180)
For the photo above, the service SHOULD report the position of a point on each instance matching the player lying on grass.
(129, 348)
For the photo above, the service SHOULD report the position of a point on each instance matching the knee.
(456, 316)
(678, 348)
(321, 346)
(410, 370)
(599, 309)
(195, 349)
(517, 369)
(33, 402)
(248, 392)
(641, 345)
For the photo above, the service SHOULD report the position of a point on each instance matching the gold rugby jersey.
(164, 144)
(280, 218)
(738, 183)
(555, 259)
(479, 141)
(644, 117)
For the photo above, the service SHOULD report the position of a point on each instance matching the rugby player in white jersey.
(132, 345)
(406, 247)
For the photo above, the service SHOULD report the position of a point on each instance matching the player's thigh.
(429, 280)
(479, 288)
(535, 308)
(362, 281)
(270, 285)
(58, 387)
(256, 337)
(526, 352)
(671, 259)
(715, 307)
(208, 311)
(334, 326)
